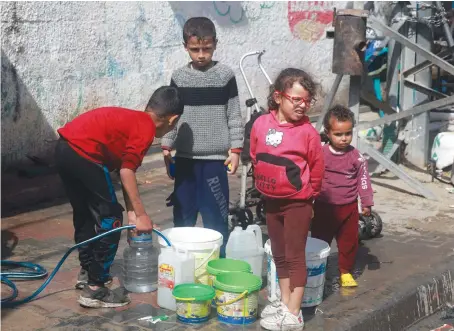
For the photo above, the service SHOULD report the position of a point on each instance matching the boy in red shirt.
(92, 145)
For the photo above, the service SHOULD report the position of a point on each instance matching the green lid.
(238, 282)
(220, 266)
(196, 292)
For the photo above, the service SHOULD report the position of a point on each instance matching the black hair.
(286, 79)
(340, 113)
(199, 27)
(166, 101)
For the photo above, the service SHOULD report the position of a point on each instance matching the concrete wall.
(60, 59)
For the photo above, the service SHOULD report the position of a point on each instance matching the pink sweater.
(346, 177)
(287, 158)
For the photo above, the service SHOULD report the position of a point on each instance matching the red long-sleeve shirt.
(287, 158)
(346, 178)
(112, 136)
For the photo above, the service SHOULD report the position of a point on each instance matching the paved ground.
(436, 322)
(417, 238)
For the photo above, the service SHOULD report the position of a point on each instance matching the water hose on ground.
(38, 272)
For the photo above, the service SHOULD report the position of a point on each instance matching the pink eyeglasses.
(297, 100)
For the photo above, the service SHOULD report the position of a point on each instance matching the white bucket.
(203, 243)
(317, 252)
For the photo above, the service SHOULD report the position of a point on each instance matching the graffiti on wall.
(226, 13)
(234, 12)
(309, 19)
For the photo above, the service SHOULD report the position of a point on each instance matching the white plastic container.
(317, 252)
(247, 245)
(204, 244)
(443, 149)
(175, 266)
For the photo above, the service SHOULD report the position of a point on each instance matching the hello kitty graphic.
(274, 138)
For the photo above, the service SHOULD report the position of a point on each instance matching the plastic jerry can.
(247, 245)
(175, 266)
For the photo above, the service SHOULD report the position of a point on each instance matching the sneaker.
(82, 280)
(271, 309)
(102, 297)
(283, 320)
(347, 280)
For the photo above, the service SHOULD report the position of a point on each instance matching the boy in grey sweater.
(209, 135)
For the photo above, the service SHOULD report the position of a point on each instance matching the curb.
(418, 302)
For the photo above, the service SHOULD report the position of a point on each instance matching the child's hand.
(234, 161)
(144, 224)
(366, 211)
(168, 160)
(132, 219)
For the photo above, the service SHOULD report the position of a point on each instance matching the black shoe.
(82, 280)
(103, 297)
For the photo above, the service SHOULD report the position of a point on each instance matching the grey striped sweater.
(211, 123)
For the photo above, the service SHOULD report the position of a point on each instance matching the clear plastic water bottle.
(140, 264)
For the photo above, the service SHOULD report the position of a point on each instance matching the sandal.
(348, 281)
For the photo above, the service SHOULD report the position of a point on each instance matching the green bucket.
(193, 302)
(220, 266)
(237, 295)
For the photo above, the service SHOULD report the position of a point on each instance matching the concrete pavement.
(403, 276)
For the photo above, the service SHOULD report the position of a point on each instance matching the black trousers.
(95, 210)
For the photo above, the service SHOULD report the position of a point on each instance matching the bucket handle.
(184, 299)
(238, 298)
(208, 257)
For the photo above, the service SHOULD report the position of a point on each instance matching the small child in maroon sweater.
(346, 177)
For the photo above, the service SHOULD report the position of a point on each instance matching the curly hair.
(340, 113)
(286, 79)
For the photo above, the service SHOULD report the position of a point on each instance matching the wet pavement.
(440, 321)
(386, 269)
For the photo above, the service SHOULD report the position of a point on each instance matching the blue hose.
(38, 272)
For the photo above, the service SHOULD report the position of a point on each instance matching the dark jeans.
(95, 210)
(201, 186)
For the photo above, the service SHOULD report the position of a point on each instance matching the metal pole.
(394, 53)
(426, 64)
(244, 166)
(424, 89)
(244, 75)
(368, 149)
(353, 103)
(414, 47)
(370, 98)
(263, 69)
(244, 170)
(391, 131)
(417, 149)
(328, 101)
(390, 153)
(410, 112)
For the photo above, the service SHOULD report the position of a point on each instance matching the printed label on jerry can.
(166, 276)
